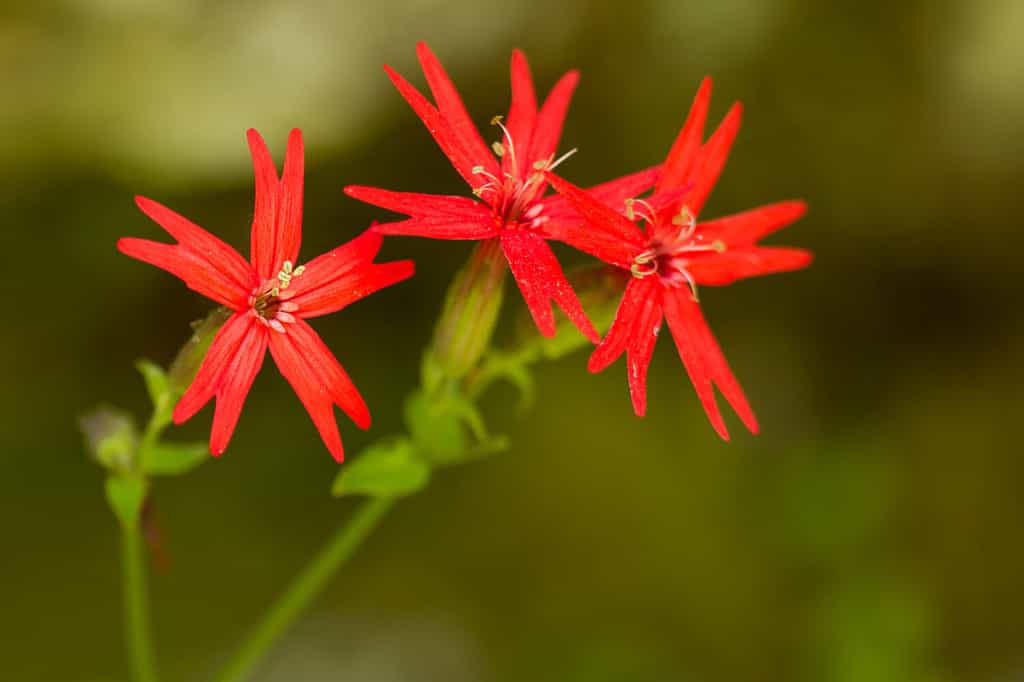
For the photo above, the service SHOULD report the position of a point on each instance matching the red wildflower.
(674, 254)
(271, 298)
(509, 184)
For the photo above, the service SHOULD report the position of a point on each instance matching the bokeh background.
(872, 532)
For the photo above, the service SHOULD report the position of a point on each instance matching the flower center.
(669, 256)
(513, 196)
(269, 302)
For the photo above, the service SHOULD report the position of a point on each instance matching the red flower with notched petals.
(509, 184)
(675, 253)
(271, 298)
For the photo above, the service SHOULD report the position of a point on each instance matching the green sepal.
(388, 468)
(174, 459)
(186, 363)
(469, 315)
(126, 495)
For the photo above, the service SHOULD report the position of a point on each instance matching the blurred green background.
(872, 532)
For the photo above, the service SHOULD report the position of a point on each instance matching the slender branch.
(136, 606)
(306, 586)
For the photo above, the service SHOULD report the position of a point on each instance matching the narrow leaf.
(174, 459)
(156, 381)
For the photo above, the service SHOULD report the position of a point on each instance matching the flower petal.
(289, 218)
(681, 158)
(608, 235)
(227, 373)
(613, 193)
(522, 117)
(541, 280)
(218, 358)
(453, 110)
(552, 115)
(344, 275)
(711, 159)
(641, 345)
(196, 272)
(437, 228)
(235, 384)
(219, 255)
(634, 331)
(744, 229)
(734, 264)
(264, 217)
(277, 217)
(419, 205)
(441, 130)
(704, 361)
(319, 381)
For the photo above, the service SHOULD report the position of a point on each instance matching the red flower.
(271, 298)
(674, 254)
(510, 188)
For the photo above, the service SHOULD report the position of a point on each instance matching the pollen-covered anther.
(501, 148)
(640, 209)
(645, 264)
(269, 302)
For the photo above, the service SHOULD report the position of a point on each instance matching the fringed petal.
(704, 361)
(741, 263)
(541, 280)
(450, 105)
(744, 229)
(711, 159)
(683, 156)
(319, 381)
(197, 272)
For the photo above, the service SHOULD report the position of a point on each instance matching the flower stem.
(136, 606)
(306, 586)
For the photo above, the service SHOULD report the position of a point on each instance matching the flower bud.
(470, 313)
(110, 437)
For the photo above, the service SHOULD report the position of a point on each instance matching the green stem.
(136, 606)
(306, 586)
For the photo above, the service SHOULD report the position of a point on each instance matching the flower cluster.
(664, 251)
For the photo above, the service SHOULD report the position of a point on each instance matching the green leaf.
(388, 468)
(126, 495)
(155, 378)
(437, 432)
(173, 459)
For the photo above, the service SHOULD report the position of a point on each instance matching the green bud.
(186, 364)
(470, 313)
(110, 438)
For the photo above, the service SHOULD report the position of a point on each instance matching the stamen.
(561, 159)
(287, 274)
(508, 146)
